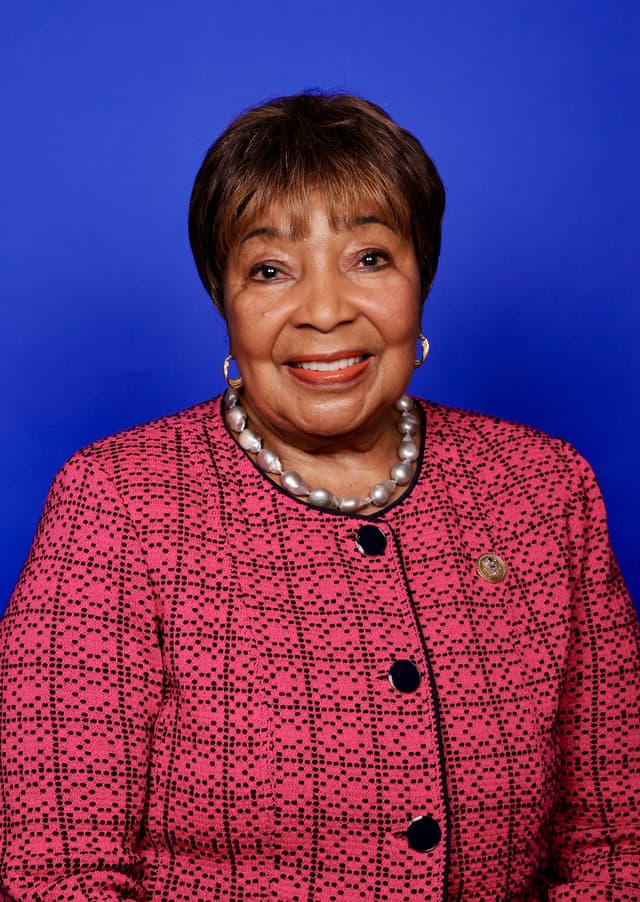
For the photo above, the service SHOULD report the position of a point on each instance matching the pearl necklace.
(408, 425)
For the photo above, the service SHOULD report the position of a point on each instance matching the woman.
(317, 640)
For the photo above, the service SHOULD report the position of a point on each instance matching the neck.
(364, 474)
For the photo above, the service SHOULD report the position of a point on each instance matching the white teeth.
(327, 366)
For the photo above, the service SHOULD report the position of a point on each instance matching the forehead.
(279, 227)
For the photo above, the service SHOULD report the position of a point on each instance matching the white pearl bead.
(401, 473)
(408, 450)
(404, 402)
(231, 397)
(250, 441)
(408, 424)
(294, 483)
(236, 418)
(381, 492)
(269, 461)
(323, 498)
(351, 505)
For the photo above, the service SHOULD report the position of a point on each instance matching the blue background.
(529, 110)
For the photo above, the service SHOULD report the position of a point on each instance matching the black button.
(424, 833)
(371, 540)
(404, 676)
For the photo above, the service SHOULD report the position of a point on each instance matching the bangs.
(347, 195)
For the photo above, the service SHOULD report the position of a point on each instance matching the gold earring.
(234, 383)
(424, 346)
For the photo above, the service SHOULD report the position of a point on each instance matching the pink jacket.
(212, 691)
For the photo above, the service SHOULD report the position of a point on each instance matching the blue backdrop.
(529, 110)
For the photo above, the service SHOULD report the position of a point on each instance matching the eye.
(374, 260)
(264, 272)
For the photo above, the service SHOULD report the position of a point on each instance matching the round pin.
(491, 567)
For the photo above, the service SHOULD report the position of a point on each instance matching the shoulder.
(153, 453)
(454, 422)
(503, 451)
(187, 427)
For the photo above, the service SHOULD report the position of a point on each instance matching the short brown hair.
(279, 153)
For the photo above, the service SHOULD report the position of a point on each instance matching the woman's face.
(324, 327)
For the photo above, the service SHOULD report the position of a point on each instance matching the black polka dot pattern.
(196, 695)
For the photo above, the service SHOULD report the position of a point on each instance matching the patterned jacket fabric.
(195, 693)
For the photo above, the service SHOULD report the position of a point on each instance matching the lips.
(332, 369)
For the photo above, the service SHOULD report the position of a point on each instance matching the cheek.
(401, 324)
(254, 343)
(245, 329)
(399, 309)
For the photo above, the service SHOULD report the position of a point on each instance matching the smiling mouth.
(327, 372)
(328, 366)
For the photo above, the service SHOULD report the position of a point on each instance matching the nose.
(326, 300)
